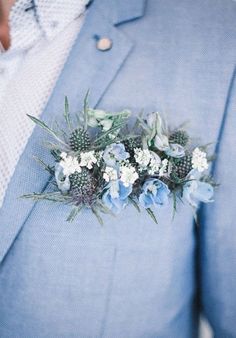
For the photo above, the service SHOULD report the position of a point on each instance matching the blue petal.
(187, 193)
(118, 205)
(175, 150)
(197, 191)
(63, 182)
(145, 200)
(107, 200)
(204, 192)
(124, 192)
(147, 184)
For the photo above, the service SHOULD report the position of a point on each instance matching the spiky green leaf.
(67, 114)
(96, 213)
(103, 208)
(49, 196)
(85, 110)
(151, 213)
(134, 203)
(44, 126)
(174, 204)
(74, 212)
(44, 165)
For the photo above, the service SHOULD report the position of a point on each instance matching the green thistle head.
(80, 140)
(131, 144)
(180, 137)
(83, 187)
(183, 167)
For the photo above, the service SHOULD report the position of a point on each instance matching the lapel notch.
(127, 10)
(86, 68)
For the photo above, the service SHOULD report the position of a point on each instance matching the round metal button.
(104, 44)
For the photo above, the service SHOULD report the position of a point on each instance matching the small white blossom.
(88, 159)
(147, 160)
(142, 156)
(110, 174)
(69, 164)
(106, 124)
(199, 160)
(163, 168)
(63, 155)
(154, 164)
(128, 175)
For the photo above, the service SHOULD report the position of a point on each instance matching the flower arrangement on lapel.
(103, 164)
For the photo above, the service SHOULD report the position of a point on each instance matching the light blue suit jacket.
(131, 278)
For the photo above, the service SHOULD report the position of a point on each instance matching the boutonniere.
(104, 162)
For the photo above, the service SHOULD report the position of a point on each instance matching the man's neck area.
(5, 7)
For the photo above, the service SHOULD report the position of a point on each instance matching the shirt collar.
(31, 20)
(1, 48)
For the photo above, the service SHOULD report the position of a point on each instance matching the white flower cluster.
(154, 164)
(199, 160)
(150, 161)
(88, 159)
(165, 168)
(147, 159)
(70, 164)
(142, 157)
(110, 174)
(128, 175)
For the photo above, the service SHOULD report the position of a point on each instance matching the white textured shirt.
(42, 35)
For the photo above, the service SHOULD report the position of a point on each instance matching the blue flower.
(115, 197)
(62, 180)
(175, 150)
(154, 192)
(196, 191)
(114, 153)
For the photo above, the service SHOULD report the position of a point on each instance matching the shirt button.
(104, 44)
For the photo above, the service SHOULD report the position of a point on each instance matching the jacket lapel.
(86, 68)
